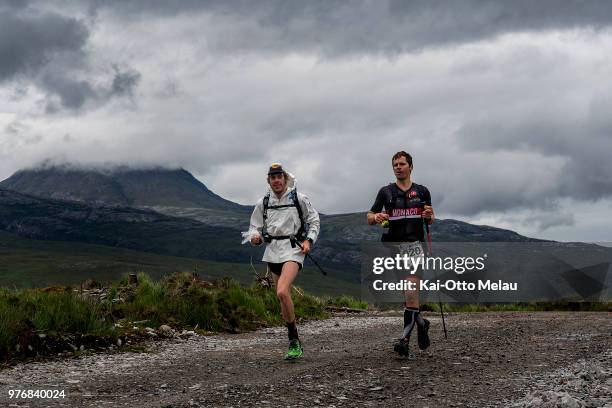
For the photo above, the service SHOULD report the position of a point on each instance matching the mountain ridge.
(121, 186)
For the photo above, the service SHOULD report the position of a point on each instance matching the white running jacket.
(284, 221)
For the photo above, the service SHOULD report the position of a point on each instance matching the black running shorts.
(277, 268)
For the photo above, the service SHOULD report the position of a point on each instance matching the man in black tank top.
(406, 206)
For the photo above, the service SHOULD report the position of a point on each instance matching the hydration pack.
(300, 234)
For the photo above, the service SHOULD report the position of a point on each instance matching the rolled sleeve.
(256, 223)
(311, 217)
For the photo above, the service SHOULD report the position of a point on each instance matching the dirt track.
(490, 359)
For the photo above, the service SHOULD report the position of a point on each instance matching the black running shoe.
(402, 347)
(423, 337)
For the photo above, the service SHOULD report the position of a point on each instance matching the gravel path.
(545, 359)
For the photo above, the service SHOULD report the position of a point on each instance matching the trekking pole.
(292, 239)
(439, 297)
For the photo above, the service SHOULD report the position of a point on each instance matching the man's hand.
(428, 214)
(256, 240)
(306, 247)
(380, 217)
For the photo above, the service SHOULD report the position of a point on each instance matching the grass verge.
(42, 321)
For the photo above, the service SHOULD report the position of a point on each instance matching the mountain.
(139, 229)
(120, 186)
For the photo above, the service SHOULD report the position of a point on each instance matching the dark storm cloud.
(13, 4)
(390, 27)
(72, 94)
(49, 50)
(29, 41)
(125, 82)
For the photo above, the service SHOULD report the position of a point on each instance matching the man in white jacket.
(285, 220)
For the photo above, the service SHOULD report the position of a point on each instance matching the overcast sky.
(505, 106)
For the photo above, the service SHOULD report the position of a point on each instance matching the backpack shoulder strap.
(298, 207)
(266, 201)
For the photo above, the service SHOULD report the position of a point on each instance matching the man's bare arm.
(377, 218)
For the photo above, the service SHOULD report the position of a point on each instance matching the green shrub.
(180, 300)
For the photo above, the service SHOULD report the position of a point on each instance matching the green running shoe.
(295, 350)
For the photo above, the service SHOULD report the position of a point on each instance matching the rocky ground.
(490, 359)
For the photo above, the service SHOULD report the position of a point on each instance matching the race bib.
(412, 249)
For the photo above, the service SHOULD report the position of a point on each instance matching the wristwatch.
(310, 240)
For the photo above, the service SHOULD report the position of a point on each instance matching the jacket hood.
(291, 184)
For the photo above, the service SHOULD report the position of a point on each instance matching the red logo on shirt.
(412, 194)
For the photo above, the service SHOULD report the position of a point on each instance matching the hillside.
(139, 229)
